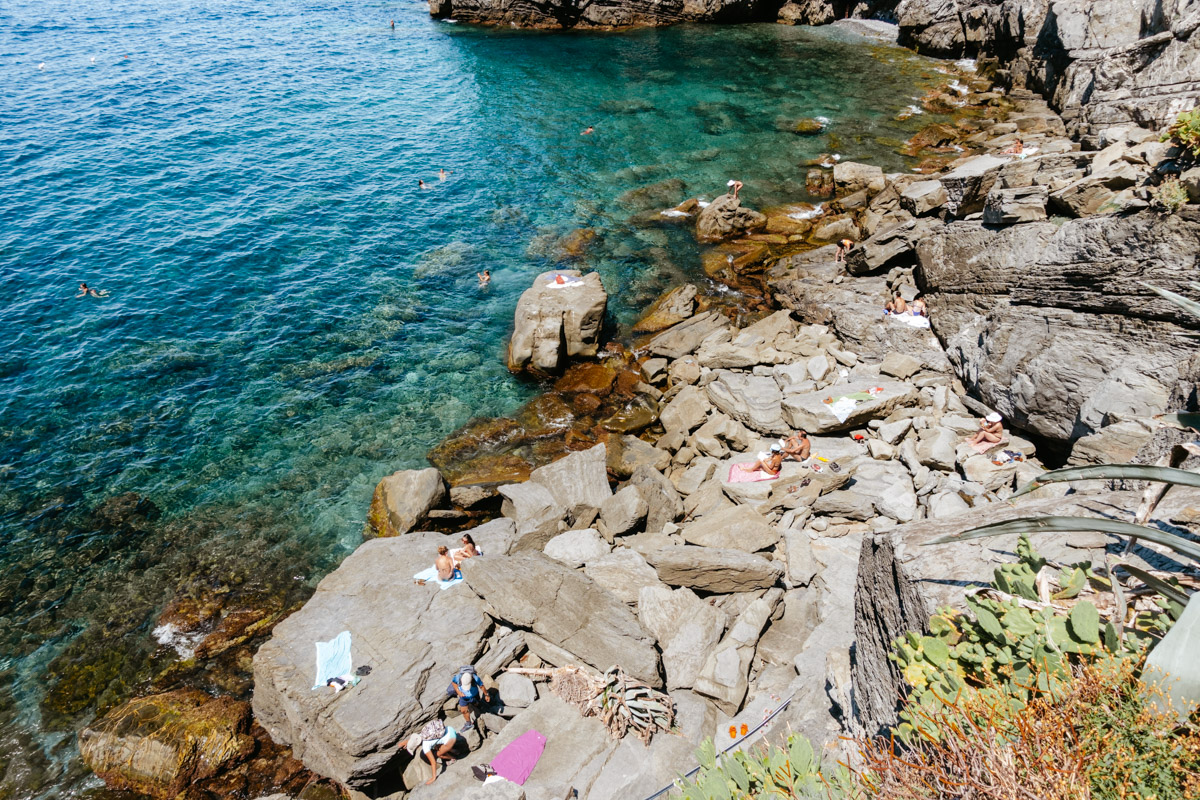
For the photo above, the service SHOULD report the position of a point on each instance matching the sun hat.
(776, 448)
(993, 417)
(468, 679)
(413, 743)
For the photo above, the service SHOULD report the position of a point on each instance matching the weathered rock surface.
(403, 499)
(725, 217)
(624, 573)
(566, 608)
(682, 339)
(811, 413)
(1053, 329)
(735, 528)
(713, 570)
(576, 548)
(571, 14)
(675, 306)
(160, 744)
(351, 735)
(556, 322)
(687, 628)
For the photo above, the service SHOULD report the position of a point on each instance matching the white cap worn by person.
(993, 417)
(468, 679)
(413, 744)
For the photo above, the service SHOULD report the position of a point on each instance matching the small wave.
(183, 643)
(815, 211)
(674, 212)
(966, 64)
(823, 120)
(958, 88)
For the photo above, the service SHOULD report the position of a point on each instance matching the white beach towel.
(910, 320)
(842, 408)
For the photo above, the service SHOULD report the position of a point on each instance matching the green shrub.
(1171, 195)
(768, 772)
(1186, 131)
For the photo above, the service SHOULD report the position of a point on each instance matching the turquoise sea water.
(290, 317)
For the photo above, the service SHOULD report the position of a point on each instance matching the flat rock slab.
(736, 528)
(679, 340)
(624, 573)
(413, 638)
(810, 412)
(713, 569)
(566, 608)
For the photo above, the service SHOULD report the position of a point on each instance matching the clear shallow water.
(290, 317)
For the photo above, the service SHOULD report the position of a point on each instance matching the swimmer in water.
(485, 278)
(421, 184)
(442, 173)
(85, 290)
(587, 130)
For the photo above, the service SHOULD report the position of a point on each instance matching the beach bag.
(433, 730)
(457, 679)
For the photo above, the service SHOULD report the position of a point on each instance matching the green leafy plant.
(767, 772)
(1013, 645)
(1186, 131)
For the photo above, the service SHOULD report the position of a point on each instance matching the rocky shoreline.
(627, 543)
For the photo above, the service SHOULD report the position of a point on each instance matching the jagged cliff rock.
(1053, 328)
(1102, 63)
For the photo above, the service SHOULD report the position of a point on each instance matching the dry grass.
(1096, 739)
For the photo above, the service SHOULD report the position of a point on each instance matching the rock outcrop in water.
(603, 15)
(556, 320)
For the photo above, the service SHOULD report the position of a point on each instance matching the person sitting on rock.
(445, 565)
(468, 550)
(797, 446)
(889, 307)
(899, 306)
(919, 309)
(1013, 149)
(843, 247)
(433, 746)
(991, 430)
(769, 462)
(471, 695)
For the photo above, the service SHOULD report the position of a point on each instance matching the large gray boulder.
(1054, 329)
(413, 638)
(681, 339)
(736, 528)
(725, 674)
(811, 413)
(725, 217)
(713, 569)
(578, 479)
(624, 573)
(753, 400)
(556, 322)
(567, 609)
(662, 500)
(576, 548)
(687, 628)
(403, 499)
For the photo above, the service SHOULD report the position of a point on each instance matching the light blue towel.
(430, 576)
(333, 659)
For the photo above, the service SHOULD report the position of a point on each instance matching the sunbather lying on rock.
(797, 446)
(991, 430)
(435, 741)
(770, 462)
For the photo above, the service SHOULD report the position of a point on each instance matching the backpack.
(457, 679)
(434, 729)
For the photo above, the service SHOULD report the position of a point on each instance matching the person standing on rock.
(435, 741)
(470, 695)
(736, 186)
(991, 431)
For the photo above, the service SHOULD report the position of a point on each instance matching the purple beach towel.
(515, 762)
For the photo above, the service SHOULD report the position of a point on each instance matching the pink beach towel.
(516, 761)
(984, 447)
(741, 473)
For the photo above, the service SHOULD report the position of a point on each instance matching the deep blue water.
(290, 317)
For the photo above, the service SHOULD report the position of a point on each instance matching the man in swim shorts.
(445, 565)
(797, 446)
